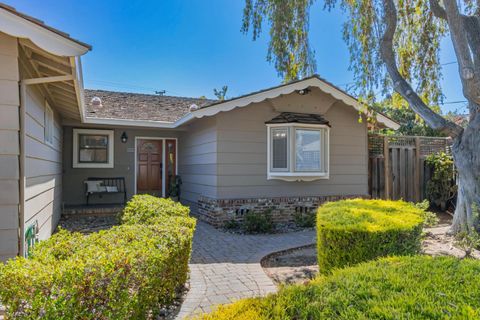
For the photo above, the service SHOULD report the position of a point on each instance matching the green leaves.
(289, 47)
(440, 188)
(353, 231)
(419, 287)
(126, 272)
(417, 42)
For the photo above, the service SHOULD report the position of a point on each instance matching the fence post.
(386, 166)
(417, 196)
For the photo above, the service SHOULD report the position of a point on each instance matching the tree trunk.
(466, 154)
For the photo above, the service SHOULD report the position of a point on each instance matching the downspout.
(21, 211)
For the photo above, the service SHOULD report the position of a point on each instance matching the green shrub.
(419, 287)
(231, 224)
(352, 231)
(145, 208)
(258, 222)
(441, 186)
(126, 272)
(305, 220)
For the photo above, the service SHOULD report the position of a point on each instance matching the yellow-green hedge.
(418, 287)
(357, 230)
(146, 209)
(126, 272)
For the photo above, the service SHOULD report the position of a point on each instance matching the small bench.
(96, 185)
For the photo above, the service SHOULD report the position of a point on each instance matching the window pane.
(279, 148)
(93, 148)
(86, 155)
(89, 141)
(307, 150)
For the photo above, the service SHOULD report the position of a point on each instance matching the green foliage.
(305, 220)
(417, 42)
(221, 94)
(410, 123)
(289, 47)
(126, 272)
(232, 224)
(258, 222)
(440, 188)
(419, 287)
(469, 238)
(357, 230)
(430, 218)
(147, 209)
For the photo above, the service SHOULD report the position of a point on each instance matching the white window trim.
(111, 140)
(291, 174)
(49, 125)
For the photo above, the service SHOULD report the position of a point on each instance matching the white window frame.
(110, 156)
(291, 174)
(49, 125)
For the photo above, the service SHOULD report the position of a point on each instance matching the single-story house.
(287, 148)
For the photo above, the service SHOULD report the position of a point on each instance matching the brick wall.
(218, 211)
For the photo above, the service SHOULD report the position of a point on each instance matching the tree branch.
(471, 25)
(437, 10)
(459, 35)
(433, 119)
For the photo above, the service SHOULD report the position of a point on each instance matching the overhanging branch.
(433, 119)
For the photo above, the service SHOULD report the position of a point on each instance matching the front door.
(149, 167)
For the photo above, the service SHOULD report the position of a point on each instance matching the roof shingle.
(137, 106)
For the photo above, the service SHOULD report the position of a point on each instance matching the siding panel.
(9, 146)
(242, 157)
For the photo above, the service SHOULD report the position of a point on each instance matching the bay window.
(298, 151)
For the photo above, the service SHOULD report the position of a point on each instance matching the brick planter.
(218, 211)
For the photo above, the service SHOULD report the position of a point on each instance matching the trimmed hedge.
(418, 287)
(126, 272)
(357, 230)
(146, 209)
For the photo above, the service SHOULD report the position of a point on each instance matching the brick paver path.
(225, 267)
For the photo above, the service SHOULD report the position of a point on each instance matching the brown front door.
(149, 167)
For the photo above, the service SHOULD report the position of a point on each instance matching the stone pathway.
(226, 267)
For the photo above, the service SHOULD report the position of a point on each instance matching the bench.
(100, 186)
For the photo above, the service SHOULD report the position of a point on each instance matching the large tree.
(394, 45)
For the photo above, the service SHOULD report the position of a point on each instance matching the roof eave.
(17, 26)
(271, 93)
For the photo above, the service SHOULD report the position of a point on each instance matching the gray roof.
(137, 106)
(292, 117)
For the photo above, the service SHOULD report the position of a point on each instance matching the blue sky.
(189, 47)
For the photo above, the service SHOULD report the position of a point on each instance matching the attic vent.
(96, 101)
(194, 107)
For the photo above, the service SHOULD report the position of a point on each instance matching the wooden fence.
(397, 165)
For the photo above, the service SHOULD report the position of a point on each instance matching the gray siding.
(198, 167)
(124, 164)
(43, 167)
(242, 153)
(9, 147)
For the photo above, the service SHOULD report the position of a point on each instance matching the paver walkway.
(225, 267)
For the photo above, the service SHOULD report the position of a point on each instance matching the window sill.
(298, 176)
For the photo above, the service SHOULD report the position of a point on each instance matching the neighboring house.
(289, 148)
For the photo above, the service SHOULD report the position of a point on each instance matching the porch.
(142, 160)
